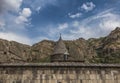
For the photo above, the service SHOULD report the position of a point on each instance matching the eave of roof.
(61, 64)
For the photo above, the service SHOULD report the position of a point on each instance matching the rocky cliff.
(107, 48)
(100, 50)
(11, 51)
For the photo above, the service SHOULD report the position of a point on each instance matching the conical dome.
(60, 53)
(60, 47)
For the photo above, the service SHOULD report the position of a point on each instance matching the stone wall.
(52, 73)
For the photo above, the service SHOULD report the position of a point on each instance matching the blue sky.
(30, 21)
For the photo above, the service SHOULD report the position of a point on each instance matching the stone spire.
(60, 47)
(60, 51)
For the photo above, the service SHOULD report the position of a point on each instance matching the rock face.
(78, 49)
(107, 48)
(41, 51)
(101, 50)
(11, 51)
(111, 44)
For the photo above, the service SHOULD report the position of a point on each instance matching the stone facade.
(59, 73)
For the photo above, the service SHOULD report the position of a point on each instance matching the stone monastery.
(61, 69)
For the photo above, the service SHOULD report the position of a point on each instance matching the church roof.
(60, 47)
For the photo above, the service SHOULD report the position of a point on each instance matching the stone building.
(59, 73)
(66, 70)
(60, 53)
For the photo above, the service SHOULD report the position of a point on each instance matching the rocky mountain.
(107, 48)
(95, 50)
(11, 51)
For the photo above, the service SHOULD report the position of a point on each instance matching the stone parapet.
(69, 64)
(59, 73)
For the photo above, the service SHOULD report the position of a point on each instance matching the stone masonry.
(59, 73)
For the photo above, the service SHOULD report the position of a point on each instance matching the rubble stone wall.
(48, 74)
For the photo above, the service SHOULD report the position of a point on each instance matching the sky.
(30, 21)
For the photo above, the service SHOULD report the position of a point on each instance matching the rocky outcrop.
(108, 48)
(41, 51)
(111, 43)
(102, 50)
(11, 51)
(79, 49)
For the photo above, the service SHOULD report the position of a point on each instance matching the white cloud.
(14, 4)
(14, 37)
(38, 4)
(109, 22)
(2, 24)
(96, 26)
(38, 9)
(54, 30)
(77, 15)
(63, 26)
(26, 12)
(24, 15)
(75, 24)
(11, 30)
(18, 18)
(21, 20)
(88, 6)
(10, 5)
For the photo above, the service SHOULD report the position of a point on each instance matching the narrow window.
(65, 57)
